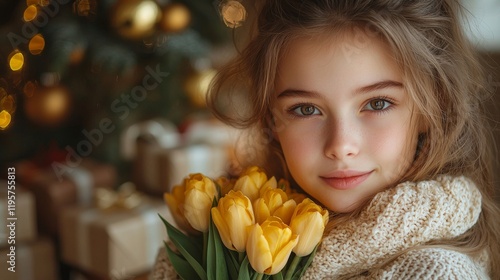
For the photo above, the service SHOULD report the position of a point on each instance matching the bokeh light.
(16, 60)
(5, 119)
(30, 13)
(36, 44)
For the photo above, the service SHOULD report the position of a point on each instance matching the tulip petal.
(222, 228)
(258, 250)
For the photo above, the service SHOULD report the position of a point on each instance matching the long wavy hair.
(441, 73)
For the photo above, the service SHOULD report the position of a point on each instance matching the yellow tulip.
(308, 221)
(269, 246)
(273, 202)
(232, 217)
(225, 185)
(292, 194)
(199, 195)
(175, 202)
(251, 181)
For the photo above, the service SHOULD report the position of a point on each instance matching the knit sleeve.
(431, 264)
(396, 219)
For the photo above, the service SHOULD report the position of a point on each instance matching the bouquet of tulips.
(250, 227)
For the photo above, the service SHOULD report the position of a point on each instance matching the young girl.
(374, 109)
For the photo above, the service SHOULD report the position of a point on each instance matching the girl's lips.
(345, 180)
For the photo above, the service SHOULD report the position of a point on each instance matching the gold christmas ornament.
(233, 13)
(175, 18)
(196, 86)
(135, 19)
(49, 106)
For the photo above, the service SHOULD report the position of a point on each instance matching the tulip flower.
(270, 245)
(292, 194)
(308, 221)
(199, 195)
(225, 185)
(232, 217)
(251, 181)
(175, 202)
(273, 202)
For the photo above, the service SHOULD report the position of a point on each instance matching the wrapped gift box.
(53, 192)
(119, 243)
(24, 228)
(157, 170)
(33, 261)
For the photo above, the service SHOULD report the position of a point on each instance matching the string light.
(36, 44)
(16, 60)
(30, 13)
(5, 119)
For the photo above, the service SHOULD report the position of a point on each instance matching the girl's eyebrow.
(379, 85)
(365, 89)
(298, 92)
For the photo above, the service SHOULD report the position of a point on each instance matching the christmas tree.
(76, 73)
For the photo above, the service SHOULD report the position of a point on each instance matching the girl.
(375, 109)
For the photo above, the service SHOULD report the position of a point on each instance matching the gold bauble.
(135, 19)
(49, 106)
(197, 84)
(233, 13)
(175, 18)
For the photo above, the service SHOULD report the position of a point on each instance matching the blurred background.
(102, 110)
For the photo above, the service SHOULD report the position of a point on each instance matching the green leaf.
(305, 263)
(278, 276)
(191, 244)
(244, 273)
(181, 266)
(232, 263)
(186, 247)
(216, 263)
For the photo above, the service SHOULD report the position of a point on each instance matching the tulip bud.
(250, 182)
(308, 221)
(175, 202)
(292, 194)
(269, 246)
(225, 185)
(232, 217)
(199, 195)
(273, 202)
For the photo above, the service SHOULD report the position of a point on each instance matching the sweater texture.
(396, 221)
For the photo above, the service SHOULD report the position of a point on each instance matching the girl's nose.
(342, 140)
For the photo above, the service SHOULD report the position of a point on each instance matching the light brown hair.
(441, 73)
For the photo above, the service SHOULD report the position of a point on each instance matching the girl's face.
(343, 118)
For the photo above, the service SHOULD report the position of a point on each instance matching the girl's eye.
(305, 110)
(377, 105)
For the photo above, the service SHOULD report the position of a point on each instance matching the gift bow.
(126, 197)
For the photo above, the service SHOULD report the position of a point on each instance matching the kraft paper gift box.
(116, 243)
(53, 192)
(157, 170)
(21, 226)
(35, 260)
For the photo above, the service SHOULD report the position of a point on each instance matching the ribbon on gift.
(164, 133)
(126, 197)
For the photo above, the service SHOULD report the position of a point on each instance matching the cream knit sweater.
(399, 218)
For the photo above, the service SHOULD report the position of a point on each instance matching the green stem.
(292, 267)
(259, 276)
(241, 257)
(205, 245)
